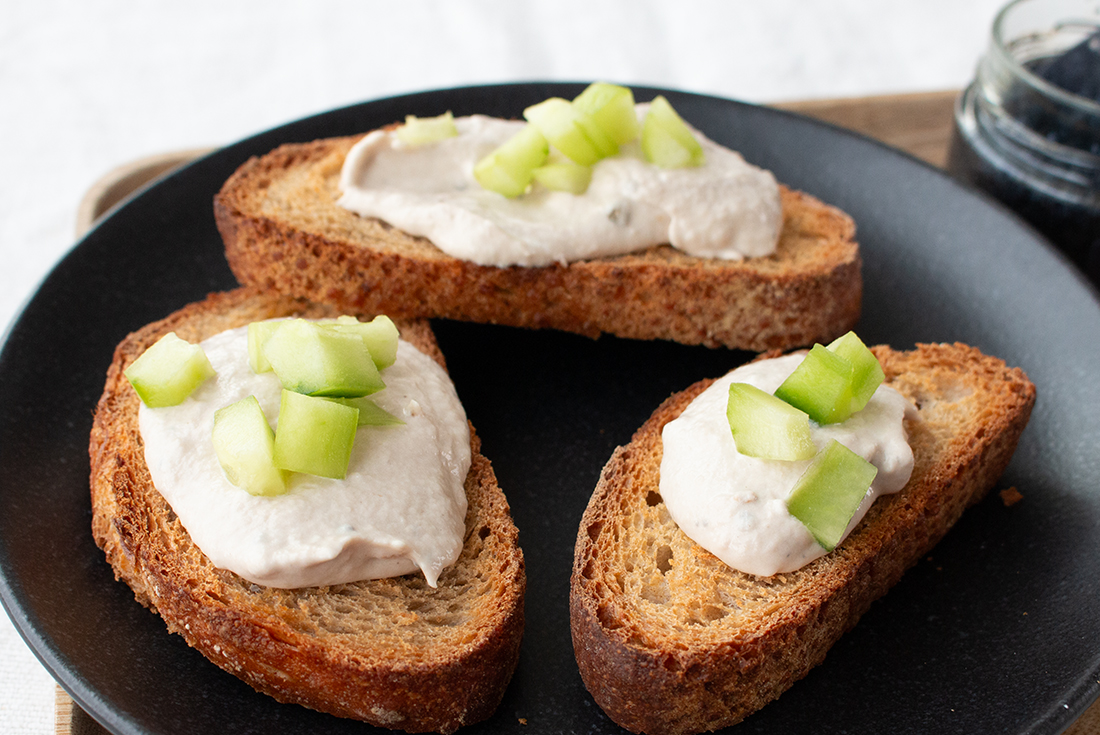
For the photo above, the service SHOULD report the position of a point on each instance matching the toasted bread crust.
(283, 231)
(392, 652)
(671, 640)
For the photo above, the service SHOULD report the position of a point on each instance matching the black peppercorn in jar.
(1027, 130)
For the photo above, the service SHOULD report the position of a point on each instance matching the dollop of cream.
(401, 508)
(735, 506)
(725, 209)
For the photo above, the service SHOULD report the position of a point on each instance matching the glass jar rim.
(1084, 104)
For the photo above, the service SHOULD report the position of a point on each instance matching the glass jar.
(1026, 132)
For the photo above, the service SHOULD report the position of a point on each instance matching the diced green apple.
(169, 371)
(821, 386)
(867, 373)
(423, 130)
(612, 108)
(245, 446)
(571, 131)
(829, 492)
(564, 176)
(315, 435)
(370, 413)
(380, 336)
(765, 427)
(509, 169)
(312, 359)
(667, 141)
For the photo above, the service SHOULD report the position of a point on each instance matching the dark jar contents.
(1027, 130)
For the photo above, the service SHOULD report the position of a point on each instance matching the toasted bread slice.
(283, 230)
(671, 640)
(392, 652)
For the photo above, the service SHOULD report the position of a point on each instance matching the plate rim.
(1085, 693)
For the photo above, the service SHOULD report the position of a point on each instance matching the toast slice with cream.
(670, 640)
(395, 652)
(283, 230)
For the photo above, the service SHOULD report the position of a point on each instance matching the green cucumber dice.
(312, 359)
(379, 335)
(169, 371)
(245, 445)
(601, 141)
(829, 492)
(423, 130)
(667, 141)
(821, 386)
(571, 131)
(370, 413)
(258, 334)
(867, 373)
(611, 107)
(315, 435)
(764, 426)
(564, 176)
(508, 170)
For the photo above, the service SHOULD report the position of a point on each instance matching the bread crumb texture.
(283, 230)
(671, 640)
(392, 652)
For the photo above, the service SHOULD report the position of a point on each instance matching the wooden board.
(919, 124)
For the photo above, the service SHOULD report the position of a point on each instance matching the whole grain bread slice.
(283, 230)
(393, 652)
(671, 640)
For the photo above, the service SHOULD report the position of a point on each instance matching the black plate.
(995, 632)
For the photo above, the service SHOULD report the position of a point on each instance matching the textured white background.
(86, 85)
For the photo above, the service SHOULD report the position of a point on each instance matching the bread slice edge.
(266, 637)
(282, 230)
(659, 673)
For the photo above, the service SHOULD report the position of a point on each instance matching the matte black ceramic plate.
(995, 632)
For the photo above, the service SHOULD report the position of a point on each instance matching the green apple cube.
(867, 373)
(315, 435)
(564, 176)
(570, 131)
(611, 107)
(508, 170)
(370, 413)
(258, 334)
(312, 359)
(667, 141)
(380, 336)
(765, 427)
(169, 371)
(829, 492)
(423, 130)
(821, 386)
(245, 445)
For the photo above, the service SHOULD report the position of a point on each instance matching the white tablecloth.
(86, 86)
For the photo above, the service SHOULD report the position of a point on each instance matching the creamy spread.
(726, 208)
(735, 506)
(402, 506)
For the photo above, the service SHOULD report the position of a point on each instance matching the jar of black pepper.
(1027, 130)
